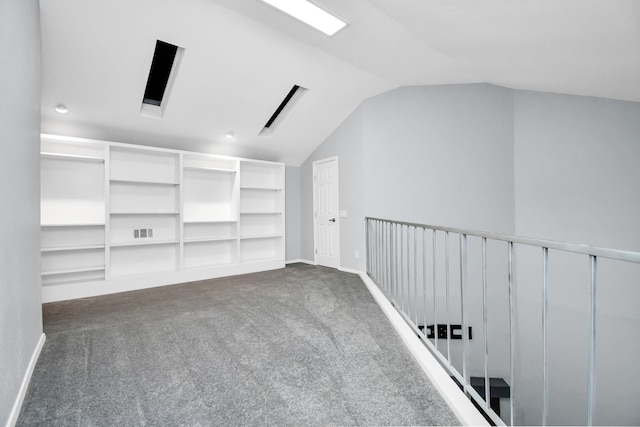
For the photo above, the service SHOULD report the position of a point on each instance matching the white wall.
(20, 309)
(292, 211)
(577, 179)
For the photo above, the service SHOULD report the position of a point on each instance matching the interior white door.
(326, 201)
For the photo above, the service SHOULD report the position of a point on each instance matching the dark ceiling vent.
(283, 109)
(166, 58)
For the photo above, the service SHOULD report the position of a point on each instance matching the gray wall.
(292, 210)
(20, 309)
(428, 154)
(346, 143)
(441, 155)
(577, 179)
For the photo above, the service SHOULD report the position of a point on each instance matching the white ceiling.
(242, 57)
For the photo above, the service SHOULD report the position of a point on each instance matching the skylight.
(161, 65)
(162, 73)
(283, 109)
(310, 14)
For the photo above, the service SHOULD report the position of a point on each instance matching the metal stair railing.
(397, 261)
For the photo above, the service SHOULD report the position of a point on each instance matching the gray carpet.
(298, 346)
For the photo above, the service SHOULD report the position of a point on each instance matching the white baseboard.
(349, 270)
(303, 261)
(17, 405)
(460, 405)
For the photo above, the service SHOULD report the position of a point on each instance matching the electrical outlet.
(149, 232)
(136, 233)
(357, 254)
(143, 233)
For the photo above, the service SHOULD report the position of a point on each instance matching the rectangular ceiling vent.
(283, 110)
(162, 75)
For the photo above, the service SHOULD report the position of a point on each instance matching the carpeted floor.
(298, 346)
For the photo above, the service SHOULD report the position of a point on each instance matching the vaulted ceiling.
(242, 57)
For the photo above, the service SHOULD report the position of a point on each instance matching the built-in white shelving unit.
(72, 211)
(118, 217)
(261, 211)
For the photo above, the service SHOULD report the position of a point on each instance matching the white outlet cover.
(343, 214)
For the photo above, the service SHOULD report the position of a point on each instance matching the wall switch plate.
(343, 214)
(136, 233)
(357, 254)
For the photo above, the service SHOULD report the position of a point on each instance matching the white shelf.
(209, 169)
(45, 155)
(209, 266)
(144, 213)
(71, 271)
(260, 213)
(71, 248)
(261, 236)
(213, 221)
(148, 242)
(244, 187)
(73, 225)
(142, 182)
(210, 239)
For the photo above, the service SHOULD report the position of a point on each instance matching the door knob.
(332, 220)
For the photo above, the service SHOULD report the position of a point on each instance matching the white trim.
(300, 260)
(17, 405)
(349, 270)
(315, 221)
(460, 405)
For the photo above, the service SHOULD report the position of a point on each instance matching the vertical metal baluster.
(435, 305)
(373, 249)
(367, 226)
(394, 265)
(390, 255)
(415, 276)
(402, 295)
(465, 326)
(512, 335)
(591, 393)
(545, 355)
(388, 234)
(378, 251)
(487, 386)
(376, 246)
(391, 261)
(385, 232)
(382, 264)
(446, 282)
(409, 297)
(370, 257)
(379, 261)
(424, 279)
(409, 288)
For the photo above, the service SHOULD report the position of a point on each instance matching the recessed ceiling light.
(228, 135)
(62, 109)
(310, 14)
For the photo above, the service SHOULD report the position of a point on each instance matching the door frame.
(315, 221)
